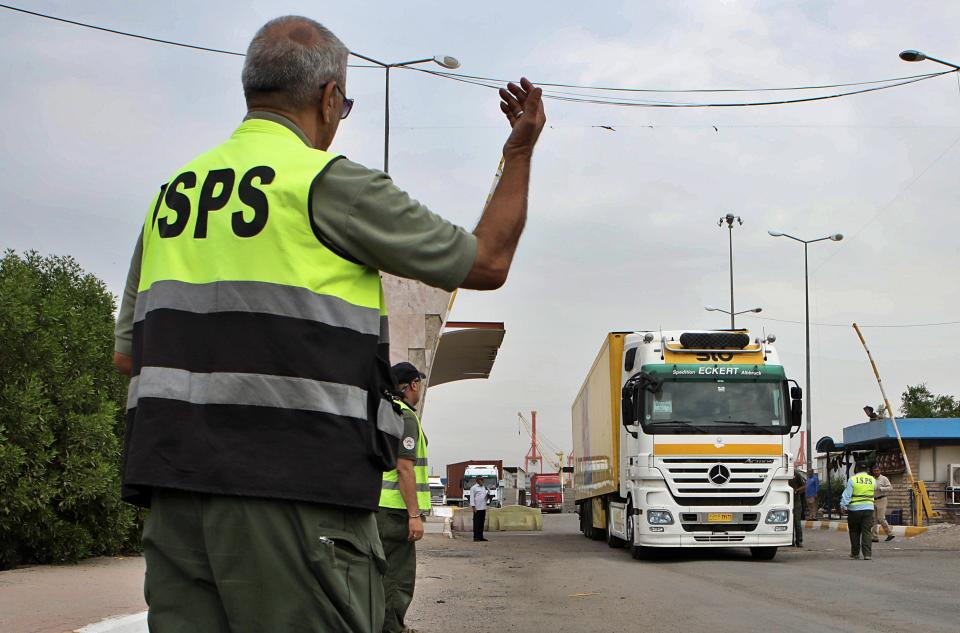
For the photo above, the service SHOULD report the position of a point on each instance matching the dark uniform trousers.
(479, 519)
(219, 564)
(860, 526)
(400, 579)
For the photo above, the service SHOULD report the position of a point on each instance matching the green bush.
(61, 415)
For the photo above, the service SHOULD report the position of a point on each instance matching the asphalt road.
(559, 581)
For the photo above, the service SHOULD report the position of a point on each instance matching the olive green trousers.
(400, 579)
(219, 564)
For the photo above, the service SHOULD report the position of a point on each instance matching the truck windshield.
(548, 487)
(490, 483)
(706, 407)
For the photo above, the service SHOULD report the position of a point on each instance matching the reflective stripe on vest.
(255, 345)
(863, 488)
(390, 496)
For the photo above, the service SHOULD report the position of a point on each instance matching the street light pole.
(806, 320)
(729, 219)
(836, 237)
(443, 60)
(386, 120)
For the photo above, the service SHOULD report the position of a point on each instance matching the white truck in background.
(681, 439)
(438, 496)
(491, 481)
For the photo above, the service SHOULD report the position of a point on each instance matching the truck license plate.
(719, 517)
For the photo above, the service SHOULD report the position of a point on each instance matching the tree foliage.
(61, 415)
(918, 402)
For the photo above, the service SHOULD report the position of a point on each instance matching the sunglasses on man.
(347, 103)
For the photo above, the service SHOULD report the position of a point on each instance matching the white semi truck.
(491, 481)
(681, 439)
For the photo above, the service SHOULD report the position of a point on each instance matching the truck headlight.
(778, 516)
(659, 517)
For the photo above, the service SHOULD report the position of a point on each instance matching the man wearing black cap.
(404, 498)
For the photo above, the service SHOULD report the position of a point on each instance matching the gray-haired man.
(259, 422)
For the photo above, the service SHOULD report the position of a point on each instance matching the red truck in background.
(546, 492)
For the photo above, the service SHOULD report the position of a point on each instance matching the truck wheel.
(613, 541)
(763, 553)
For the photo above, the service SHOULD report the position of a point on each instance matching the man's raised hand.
(523, 107)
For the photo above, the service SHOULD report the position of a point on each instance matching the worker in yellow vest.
(404, 501)
(857, 500)
(260, 414)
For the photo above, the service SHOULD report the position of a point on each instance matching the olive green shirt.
(411, 434)
(365, 217)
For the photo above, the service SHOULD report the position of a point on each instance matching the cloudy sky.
(622, 232)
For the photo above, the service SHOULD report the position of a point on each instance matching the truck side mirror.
(796, 413)
(796, 393)
(632, 400)
(630, 405)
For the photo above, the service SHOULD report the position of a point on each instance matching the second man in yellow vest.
(857, 500)
(404, 499)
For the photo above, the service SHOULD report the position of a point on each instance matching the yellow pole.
(918, 502)
(493, 188)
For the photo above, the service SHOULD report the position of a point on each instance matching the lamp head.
(446, 61)
(912, 56)
(711, 309)
(836, 237)
(773, 233)
(757, 310)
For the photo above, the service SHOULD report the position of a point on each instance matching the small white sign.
(663, 406)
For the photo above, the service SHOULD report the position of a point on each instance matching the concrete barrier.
(907, 531)
(508, 518)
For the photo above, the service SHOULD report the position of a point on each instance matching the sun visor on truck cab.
(725, 372)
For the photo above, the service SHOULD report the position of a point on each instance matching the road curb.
(135, 623)
(907, 531)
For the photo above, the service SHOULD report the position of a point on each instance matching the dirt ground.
(59, 598)
(559, 581)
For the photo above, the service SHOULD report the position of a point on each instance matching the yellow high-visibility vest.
(390, 496)
(863, 488)
(255, 363)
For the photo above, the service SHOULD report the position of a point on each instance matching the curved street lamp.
(714, 309)
(917, 56)
(836, 237)
(445, 61)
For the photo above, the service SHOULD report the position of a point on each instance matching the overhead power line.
(695, 90)
(488, 82)
(635, 103)
(895, 325)
(157, 40)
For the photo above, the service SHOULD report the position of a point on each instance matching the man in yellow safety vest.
(857, 500)
(260, 413)
(404, 499)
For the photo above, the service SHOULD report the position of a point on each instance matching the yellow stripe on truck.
(713, 449)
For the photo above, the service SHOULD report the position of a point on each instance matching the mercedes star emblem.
(719, 474)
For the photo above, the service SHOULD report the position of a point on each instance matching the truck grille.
(692, 480)
(717, 501)
(719, 527)
(719, 538)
